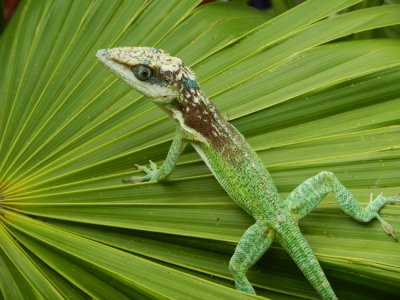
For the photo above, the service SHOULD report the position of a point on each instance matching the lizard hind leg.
(310, 193)
(252, 245)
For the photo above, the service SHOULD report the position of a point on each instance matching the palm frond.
(305, 94)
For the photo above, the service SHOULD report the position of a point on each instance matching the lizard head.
(151, 71)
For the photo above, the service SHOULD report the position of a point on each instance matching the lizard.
(173, 87)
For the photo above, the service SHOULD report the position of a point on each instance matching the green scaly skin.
(235, 165)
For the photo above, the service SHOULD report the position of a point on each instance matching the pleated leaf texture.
(305, 93)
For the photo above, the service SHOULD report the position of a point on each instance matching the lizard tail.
(296, 245)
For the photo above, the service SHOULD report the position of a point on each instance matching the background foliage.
(308, 88)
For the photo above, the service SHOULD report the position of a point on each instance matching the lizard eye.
(142, 72)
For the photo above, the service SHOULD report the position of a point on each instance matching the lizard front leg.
(161, 173)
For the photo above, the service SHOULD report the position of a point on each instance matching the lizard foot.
(150, 174)
(387, 228)
(385, 225)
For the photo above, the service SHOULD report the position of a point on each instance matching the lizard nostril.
(101, 53)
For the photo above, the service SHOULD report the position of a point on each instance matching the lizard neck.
(208, 130)
(196, 113)
(213, 136)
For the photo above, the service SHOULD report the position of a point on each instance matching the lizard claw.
(392, 199)
(135, 179)
(386, 199)
(153, 165)
(396, 198)
(142, 168)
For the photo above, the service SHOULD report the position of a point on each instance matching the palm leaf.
(306, 96)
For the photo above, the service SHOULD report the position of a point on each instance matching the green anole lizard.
(172, 86)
